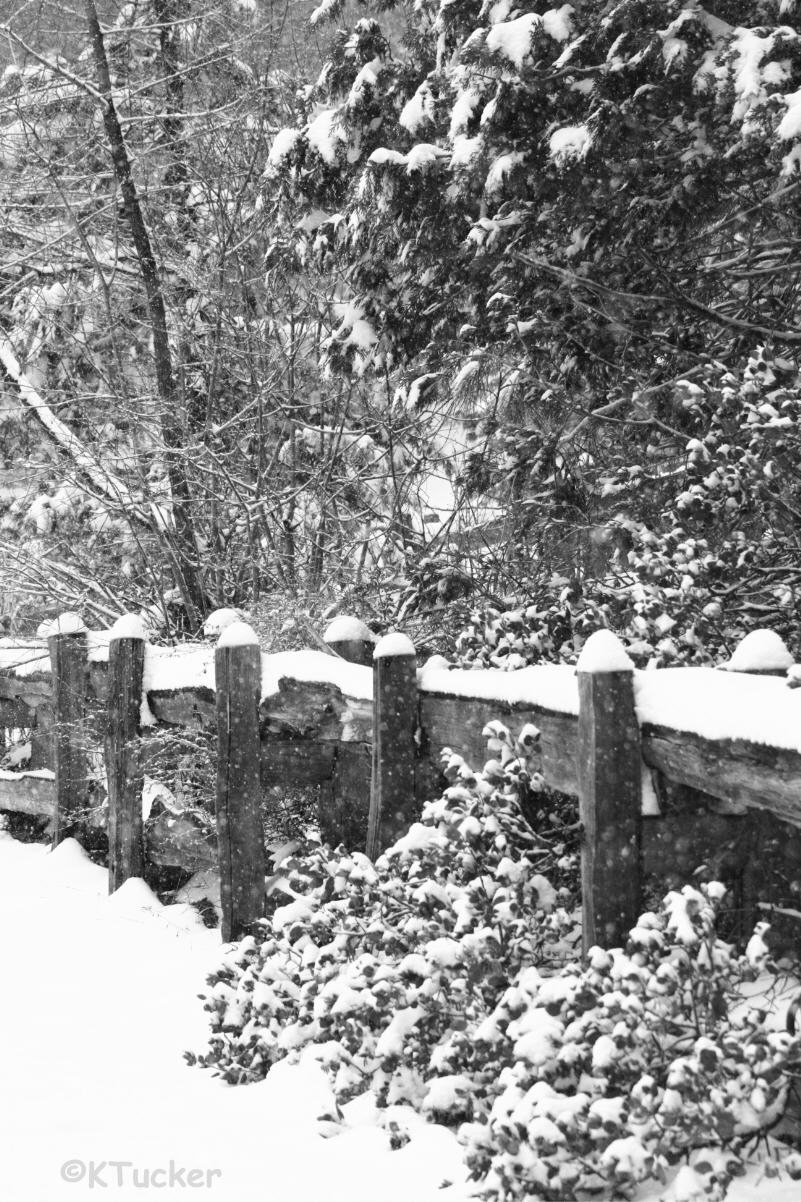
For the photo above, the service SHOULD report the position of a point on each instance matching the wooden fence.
(659, 787)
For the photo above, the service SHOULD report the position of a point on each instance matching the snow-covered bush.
(610, 1073)
(445, 977)
(389, 965)
(713, 559)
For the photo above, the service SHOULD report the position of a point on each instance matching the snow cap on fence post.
(240, 838)
(218, 619)
(128, 626)
(393, 805)
(392, 645)
(604, 652)
(351, 639)
(763, 653)
(124, 769)
(238, 634)
(610, 788)
(66, 623)
(69, 665)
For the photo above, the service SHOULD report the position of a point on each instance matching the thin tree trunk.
(166, 384)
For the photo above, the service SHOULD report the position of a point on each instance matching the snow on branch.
(109, 485)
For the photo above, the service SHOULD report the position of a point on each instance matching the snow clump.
(128, 626)
(66, 623)
(218, 619)
(344, 629)
(238, 634)
(760, 651)
(392, 644)
(604, 652)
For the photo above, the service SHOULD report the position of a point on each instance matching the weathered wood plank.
(124, 770)
(316, 710)
(296, 761)
(31, 690)
(393, 803)
(300, 709)
(240, 838)
(27, 794)
(183, 707)
(312, 719)
(743, 775)
(457, 722)
(749, 775)
(172, 838)
(68, 662)
(609, 772)
(344, 805)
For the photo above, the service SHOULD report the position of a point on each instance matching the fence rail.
(661, 761)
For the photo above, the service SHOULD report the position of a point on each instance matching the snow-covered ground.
(98, 1002)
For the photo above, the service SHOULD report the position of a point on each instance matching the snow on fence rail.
(625, 742)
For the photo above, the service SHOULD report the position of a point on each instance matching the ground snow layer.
(98, 1002)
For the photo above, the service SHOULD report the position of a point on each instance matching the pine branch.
(643, 298)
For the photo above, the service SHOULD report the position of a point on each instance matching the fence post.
(761, 652)
(393, 806)
(67, 646)
(352, 639)
(240, 837)
(610, 784)
(126, 661)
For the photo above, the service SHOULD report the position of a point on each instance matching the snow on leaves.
(392, 963)
(437, 978)
(717, 562)
(488, 112)
(324, 134)
(513, 39)
(570, 142)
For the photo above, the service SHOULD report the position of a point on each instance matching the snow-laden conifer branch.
(638, 298)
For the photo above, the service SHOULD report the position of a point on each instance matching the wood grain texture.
(393, 802)
(344, 804)
(42, 736)
(68, 666)
(240, 837)
(750, 775)
(124, 770)
(457, 722)
(610, 783)
(183, 707)
(23, 794)
(296, 761)
(313, 735)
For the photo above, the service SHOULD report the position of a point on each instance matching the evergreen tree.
(572, 228)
